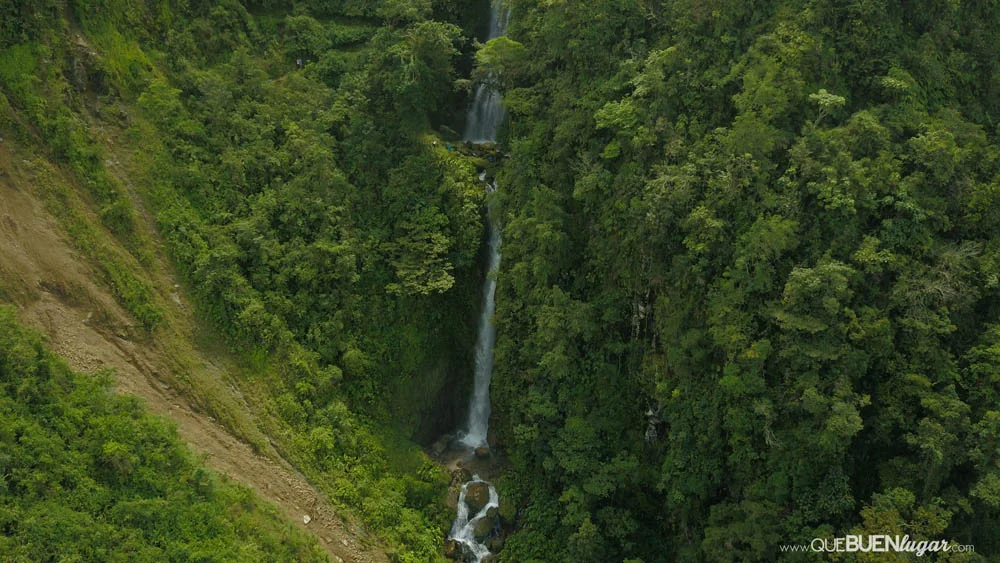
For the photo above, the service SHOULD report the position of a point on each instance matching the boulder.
(483, 527)
(489, 558)
(483, 452)
(458, 551)
(477, 495)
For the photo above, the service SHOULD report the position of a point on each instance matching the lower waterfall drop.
(479, 404)
(471, 532)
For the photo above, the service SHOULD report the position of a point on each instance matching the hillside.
(750, 289)
(258, 229)
(744, 259)
(56, 290)
(88, 476)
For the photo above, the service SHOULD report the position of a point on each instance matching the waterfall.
(479, 405)
(483, 119)
(464, 528)
(484, 116)
(487, 112)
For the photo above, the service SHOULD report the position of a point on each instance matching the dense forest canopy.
(750, 288)
(750, 284)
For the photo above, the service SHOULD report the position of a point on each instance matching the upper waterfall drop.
(487, 111)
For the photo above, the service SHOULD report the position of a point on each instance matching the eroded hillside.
(58, 291)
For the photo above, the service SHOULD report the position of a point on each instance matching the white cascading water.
(463, 529)
(479, 404)
(487, 112)
(483, 120)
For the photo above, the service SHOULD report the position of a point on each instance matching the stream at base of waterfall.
(475, 522)
(478, 503)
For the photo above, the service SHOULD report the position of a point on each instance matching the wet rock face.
(458, 551)
(484, 526)
(477, 495)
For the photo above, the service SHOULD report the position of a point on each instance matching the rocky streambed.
(479, 530)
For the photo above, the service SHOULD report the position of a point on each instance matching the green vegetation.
(87, 476)
(37, 92)
(750, 291)
(750, 282)
(321, 225)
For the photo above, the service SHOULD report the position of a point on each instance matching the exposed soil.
(55, 290)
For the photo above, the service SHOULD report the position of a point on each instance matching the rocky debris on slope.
(86, 68)
(460, 476)
(439, 447)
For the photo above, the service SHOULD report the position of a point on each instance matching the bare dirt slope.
(57, 291)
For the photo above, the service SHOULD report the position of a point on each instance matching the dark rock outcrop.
(484, 526)
(458, 551)
(477, 495)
